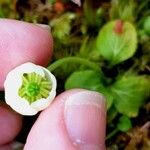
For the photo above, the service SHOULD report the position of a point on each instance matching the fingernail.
(85, 118)
(44, 26)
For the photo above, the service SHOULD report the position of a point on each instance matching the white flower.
(29, 88)
(78, 2)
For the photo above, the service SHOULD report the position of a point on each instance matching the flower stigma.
(34, 87)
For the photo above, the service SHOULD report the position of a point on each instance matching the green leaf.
(89, 50)
(61, 26)
(87, 79)
(117, 41)
(124, 124)
(108, 95)
(111, 114)
(130, 92)
(122, 9)
(90, 80)
(147, 25)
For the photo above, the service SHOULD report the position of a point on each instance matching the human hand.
(74, 121)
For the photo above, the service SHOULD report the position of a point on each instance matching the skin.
(10, 124)
(22, 42)
(55, 123)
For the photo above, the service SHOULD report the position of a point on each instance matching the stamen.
(34, 87)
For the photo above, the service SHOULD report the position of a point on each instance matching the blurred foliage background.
(104, 46)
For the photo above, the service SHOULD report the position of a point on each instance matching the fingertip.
(85, 118)
(76, 120)
(23, 42)
(10, 124)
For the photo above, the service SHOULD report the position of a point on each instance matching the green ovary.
(34, 87)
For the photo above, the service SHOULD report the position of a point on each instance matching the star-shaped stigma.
(34, 87)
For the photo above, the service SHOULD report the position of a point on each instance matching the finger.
(22, 42)
(10, 124)
(76, 120)
(6, 147)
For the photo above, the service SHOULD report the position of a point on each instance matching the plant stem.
(111, 134)
(1, 13)
(76, 60)
(89, 12)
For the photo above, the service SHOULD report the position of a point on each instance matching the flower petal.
(14, 81)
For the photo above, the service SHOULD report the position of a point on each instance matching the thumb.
(75, 121)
